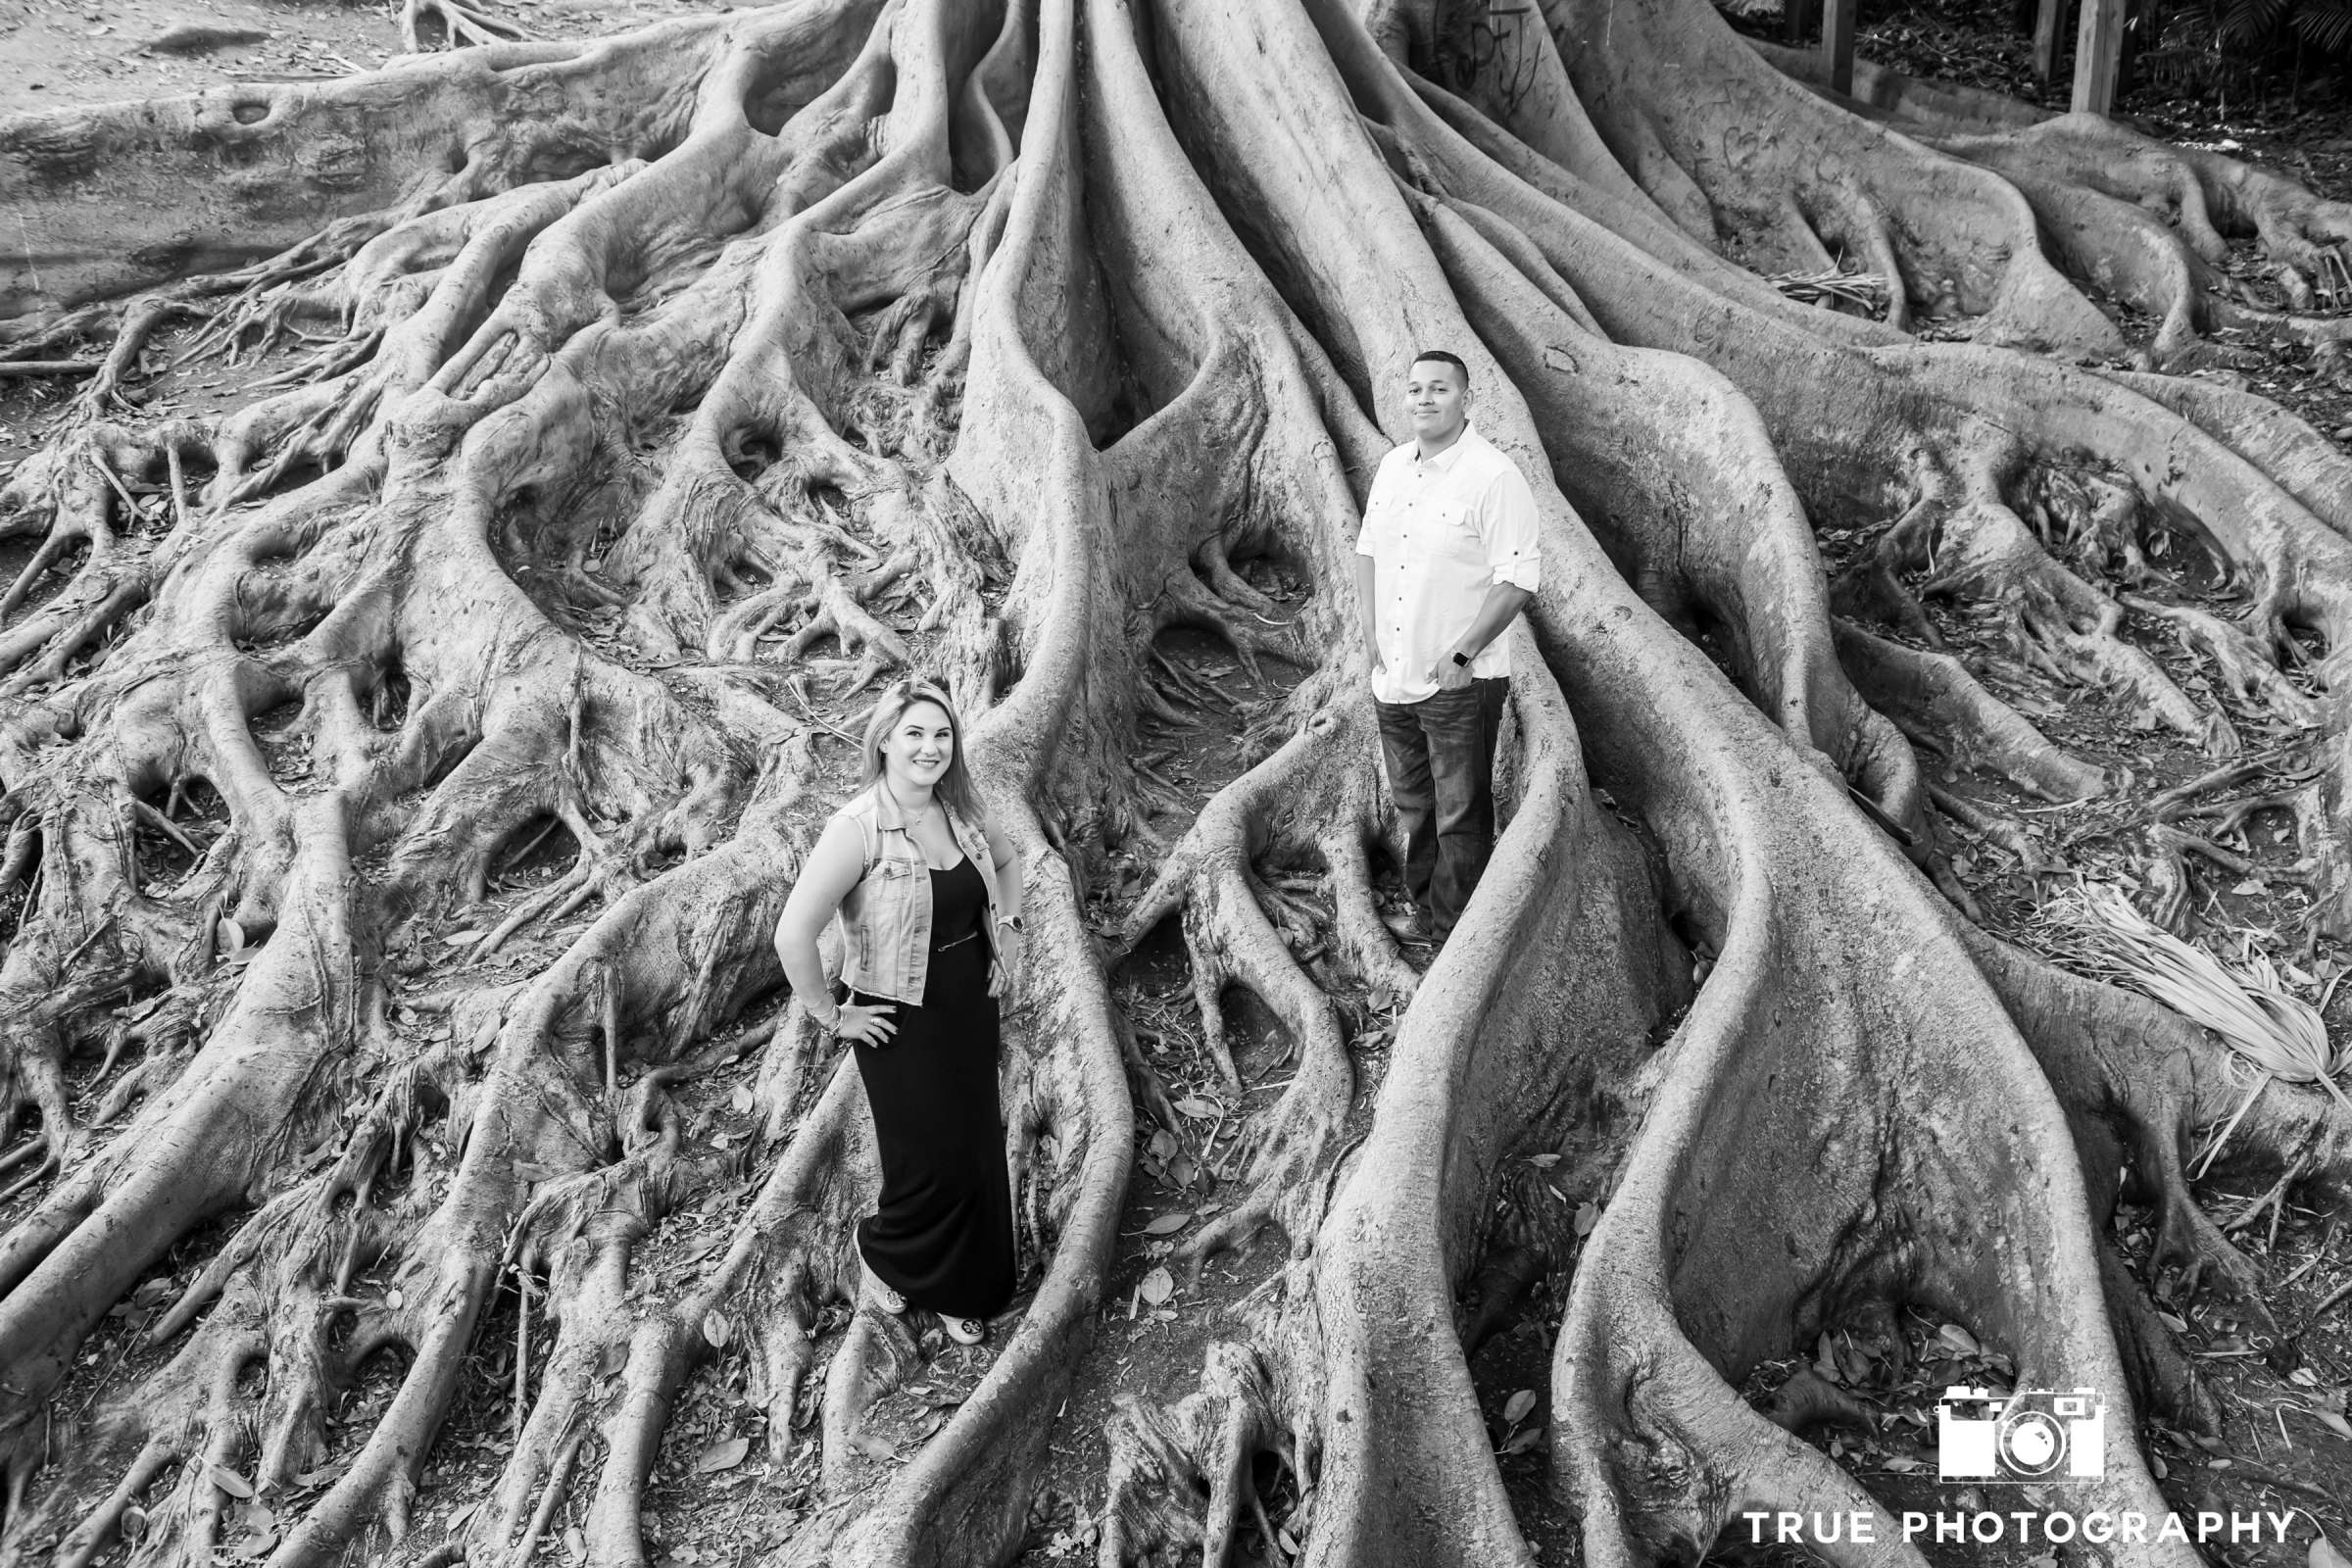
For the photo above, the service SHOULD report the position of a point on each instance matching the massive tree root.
(403, 774)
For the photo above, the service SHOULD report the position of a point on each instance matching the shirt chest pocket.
(1382, 527)
(1445, 532)
(890, 889)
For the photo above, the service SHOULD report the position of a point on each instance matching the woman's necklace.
(920, 813)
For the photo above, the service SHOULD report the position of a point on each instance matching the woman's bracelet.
(828, 1025)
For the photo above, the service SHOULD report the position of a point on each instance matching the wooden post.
(2050, 25)
(2098, 49)
(1838, 43)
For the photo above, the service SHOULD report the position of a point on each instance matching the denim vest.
(886, 918)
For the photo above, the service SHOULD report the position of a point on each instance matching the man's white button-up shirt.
(1440, 534)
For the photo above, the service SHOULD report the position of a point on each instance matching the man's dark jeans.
(1441, 756)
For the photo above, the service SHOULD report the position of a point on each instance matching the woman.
(931, 936)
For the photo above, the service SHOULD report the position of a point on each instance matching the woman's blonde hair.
(954, 786)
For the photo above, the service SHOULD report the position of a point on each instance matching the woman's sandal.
(888, 1300)
(965, 1330)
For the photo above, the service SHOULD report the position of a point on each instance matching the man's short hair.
(1447, 357)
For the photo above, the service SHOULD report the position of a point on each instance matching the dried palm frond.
(1865, 289)
(2277, 1033)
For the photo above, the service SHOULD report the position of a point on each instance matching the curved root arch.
(404, 773)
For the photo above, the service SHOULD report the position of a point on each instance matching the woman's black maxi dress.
(942, 1235)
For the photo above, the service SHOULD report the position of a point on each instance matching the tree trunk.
(405, 771)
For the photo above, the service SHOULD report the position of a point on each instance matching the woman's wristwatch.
(1012, 923)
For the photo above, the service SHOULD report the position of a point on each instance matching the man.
(1447, 559)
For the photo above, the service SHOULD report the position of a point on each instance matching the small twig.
(559, 1479)
(524, 854)
(611, 1035)
(99, 930)
(2221, 778)
(130, 506)
(523, 1347)
(817, 720)
(2313, 1261)
(164, 824)
(2320, 1311)
(179, 503)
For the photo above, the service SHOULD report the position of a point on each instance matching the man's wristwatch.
(1461, 659)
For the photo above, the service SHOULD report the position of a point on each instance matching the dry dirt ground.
(718, 1497)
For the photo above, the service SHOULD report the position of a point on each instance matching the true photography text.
(1987, 1527)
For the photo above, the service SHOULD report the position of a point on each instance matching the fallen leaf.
(1162, 1146)
(1157, 1287)
(229, 1481)
(1588, 1215)
(1523, 1440)
(1199, 1110)
(1542, 1161)
(458, 938)
(457, 1521)
(1959, 1340)
(134, 1523)
(724, 1455)
(1515, 1409)
(2334, 1423)
(2325, 1555)
(1168, 1224)
(394, 1300)
(717, 1329)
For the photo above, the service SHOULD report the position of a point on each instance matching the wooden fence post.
(2098, 50)
(1837, 43)
(2050, 25)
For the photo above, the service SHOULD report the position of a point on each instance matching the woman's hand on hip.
(868, 1026)
(1003, 973)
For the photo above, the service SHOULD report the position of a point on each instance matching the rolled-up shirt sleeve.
(1508, 529)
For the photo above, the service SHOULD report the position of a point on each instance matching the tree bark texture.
(643, 403)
